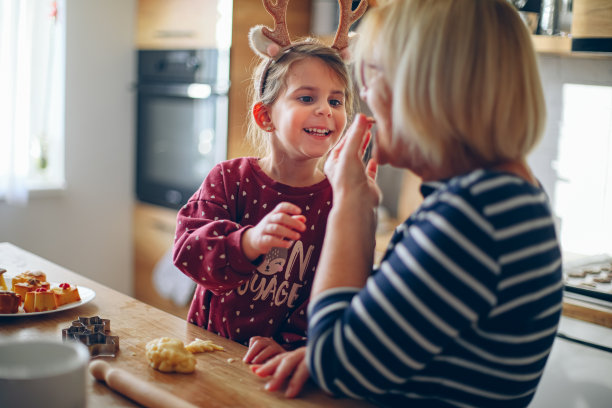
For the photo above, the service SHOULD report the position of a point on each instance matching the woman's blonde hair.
(463, 74)
(275, 82)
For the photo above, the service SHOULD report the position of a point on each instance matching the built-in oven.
(182, 107)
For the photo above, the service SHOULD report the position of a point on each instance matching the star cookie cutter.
(93, 333)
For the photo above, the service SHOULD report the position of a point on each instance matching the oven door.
(181, 135)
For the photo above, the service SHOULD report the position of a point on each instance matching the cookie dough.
(170, 355)
(200, 346)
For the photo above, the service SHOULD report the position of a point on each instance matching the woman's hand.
(287, 368)
(345, 169)
(261, 349)
(279, 228)
(347, 255)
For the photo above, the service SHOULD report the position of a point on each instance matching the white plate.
(86, 294)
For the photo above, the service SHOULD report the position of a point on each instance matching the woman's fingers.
(365, 143)
(356, 135)
(372, 169)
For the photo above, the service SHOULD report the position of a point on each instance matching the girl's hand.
(345, 170)
(261, 349)
(279, 228)
(289, 366)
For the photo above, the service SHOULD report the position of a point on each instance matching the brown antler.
(347, 18)
(280, 34)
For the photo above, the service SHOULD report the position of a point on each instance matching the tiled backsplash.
(574, 159)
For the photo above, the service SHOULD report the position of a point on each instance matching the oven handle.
(193, 90)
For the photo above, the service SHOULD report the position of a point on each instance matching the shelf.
(548, 44)
(575, 47)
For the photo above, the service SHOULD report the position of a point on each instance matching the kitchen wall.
(87, 227)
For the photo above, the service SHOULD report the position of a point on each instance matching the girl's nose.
(324, 109)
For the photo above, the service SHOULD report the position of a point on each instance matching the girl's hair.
(275, 82)
(464, 77)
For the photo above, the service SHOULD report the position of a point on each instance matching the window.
(32, 59)
(584, 187)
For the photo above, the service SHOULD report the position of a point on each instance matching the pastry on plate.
(9, 302)
(40, 300)
(65, 294)
(27, 275)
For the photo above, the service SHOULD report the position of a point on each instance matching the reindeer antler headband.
(271, 44)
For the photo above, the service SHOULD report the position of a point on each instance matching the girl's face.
(309, 116)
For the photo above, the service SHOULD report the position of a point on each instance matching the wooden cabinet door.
(592, 18)
(153, 231)
(176, 24)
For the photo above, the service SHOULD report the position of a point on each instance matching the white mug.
(43, 373)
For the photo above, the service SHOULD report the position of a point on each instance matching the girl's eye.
(335, 102)
(306, 99)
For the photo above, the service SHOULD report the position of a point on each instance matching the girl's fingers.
(299, 218)
(299, 378)
(264, 356)
(256, 344)
(283, 369)
(287, 208)
(292, 222)
(281, 232)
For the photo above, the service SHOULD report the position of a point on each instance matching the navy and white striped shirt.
(463, 310)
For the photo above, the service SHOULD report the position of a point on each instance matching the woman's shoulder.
(486, 193)
(481, 184)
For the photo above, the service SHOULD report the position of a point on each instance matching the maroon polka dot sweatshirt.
(236, 298)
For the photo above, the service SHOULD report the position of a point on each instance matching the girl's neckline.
(282, 187)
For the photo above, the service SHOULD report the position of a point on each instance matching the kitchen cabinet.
(153, 236)
(176, 24)
(591, 32)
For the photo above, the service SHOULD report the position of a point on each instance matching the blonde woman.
(465, 305)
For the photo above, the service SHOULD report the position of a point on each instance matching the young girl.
(251, 235)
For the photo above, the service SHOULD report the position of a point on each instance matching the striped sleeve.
(481, 253)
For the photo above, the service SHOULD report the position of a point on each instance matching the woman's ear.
(262, 117)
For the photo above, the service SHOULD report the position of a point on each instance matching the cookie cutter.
(93, 333)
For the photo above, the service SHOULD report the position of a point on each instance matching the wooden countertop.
(217, 381)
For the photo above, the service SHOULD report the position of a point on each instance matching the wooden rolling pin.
(134, 388)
